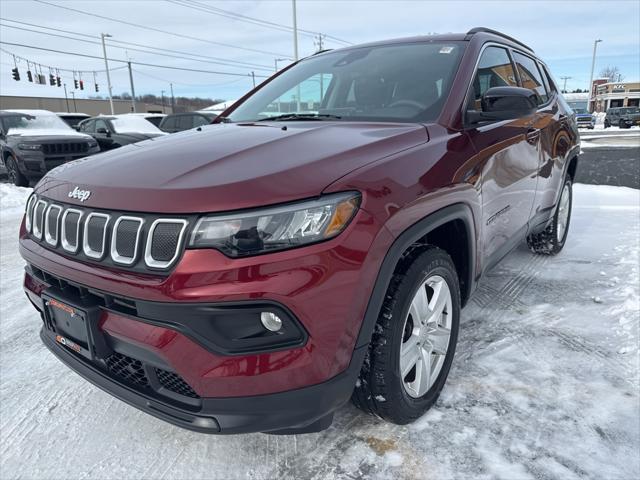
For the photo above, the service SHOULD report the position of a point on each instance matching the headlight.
(276, 228)
(29, 146)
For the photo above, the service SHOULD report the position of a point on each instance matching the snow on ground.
(544, 384)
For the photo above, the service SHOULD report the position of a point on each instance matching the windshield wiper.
(301, 116)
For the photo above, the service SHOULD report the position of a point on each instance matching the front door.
(508, 155)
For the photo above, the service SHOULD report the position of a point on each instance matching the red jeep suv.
(316, 243)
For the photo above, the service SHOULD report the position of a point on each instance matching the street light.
(593, 64)
(106, 66)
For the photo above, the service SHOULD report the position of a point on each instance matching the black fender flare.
(458, 211)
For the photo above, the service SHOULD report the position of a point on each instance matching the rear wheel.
(14, 174)
(623, 124)
(552, 239)
(414, 341)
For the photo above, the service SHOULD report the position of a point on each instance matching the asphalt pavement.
(610, 160)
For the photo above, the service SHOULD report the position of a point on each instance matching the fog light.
(271, 321)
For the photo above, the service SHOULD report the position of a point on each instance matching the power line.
(235, 74)
(145, 27)
(264, 68)
(252, 20)
(217, 60)
(236, 80)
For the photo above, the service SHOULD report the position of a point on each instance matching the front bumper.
(37, 164)
(302, 410)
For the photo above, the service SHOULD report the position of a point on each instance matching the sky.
(226, 49)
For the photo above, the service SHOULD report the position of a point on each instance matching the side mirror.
(103, 131)
(505, 103)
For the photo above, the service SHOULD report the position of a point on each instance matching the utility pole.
(564, 88)
(295, 50)
(173, 101)
(253, 78)
(133, 91)
(276, 60)
(593, 64)
(65, 97)
(162, 95)
(106, 66)
(75, 107)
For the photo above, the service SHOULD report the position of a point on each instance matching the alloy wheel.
(426, 335)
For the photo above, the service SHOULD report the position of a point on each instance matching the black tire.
(623, 124)
(606, 124)
(380, 390)
(547, 241)
(14, 173)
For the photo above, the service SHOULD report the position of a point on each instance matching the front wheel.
(606, 124)
(551, 240)
(14, 173)
(414, 340)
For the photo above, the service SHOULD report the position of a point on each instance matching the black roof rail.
(322, 51)
(500, 34)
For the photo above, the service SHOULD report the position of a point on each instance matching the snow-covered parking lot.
(545, 383)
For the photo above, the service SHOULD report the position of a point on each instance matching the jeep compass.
(315, 244)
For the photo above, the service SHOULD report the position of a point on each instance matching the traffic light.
(15, 74)
(81, 85)
(75, 83)
(97, 89)
(52, 80)
(58, 81)
(29, 76)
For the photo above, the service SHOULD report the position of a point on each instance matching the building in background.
(89, 106)
(614, 94)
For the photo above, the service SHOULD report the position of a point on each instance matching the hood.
(226, 167)
(44, 132)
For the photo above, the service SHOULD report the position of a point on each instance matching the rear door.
(508, 158)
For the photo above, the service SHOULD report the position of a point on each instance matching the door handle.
(533, 134)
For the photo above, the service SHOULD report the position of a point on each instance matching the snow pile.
(544, 383)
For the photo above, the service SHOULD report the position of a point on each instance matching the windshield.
(627, 111)
(133, 123)
(400, 83)
(34, 122)
(580, 110)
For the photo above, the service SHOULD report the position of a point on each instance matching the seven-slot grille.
(145, 242)
(65, 148)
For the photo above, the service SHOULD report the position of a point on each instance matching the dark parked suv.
(623, 117)
(254, 274)
(32, 142)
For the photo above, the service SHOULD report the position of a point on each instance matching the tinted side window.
(169, 123)
(530, 76)
(102, 124)
(494, 70)
(199, 120)
(185, 122)
(88, 126)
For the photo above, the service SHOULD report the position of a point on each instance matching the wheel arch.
(435, 229)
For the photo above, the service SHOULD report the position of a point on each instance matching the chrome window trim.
(38, 232)
(66, 246)
(148, 259)
(29, 212)
(47, 234)
(85, 243)
(115, 256)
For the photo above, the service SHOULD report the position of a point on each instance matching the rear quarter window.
(530, 76)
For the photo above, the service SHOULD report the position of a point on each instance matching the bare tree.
(612, 73)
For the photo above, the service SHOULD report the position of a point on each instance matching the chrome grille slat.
(148, 257)
(29, 213)
(48, 236)
(86, 248)
(66, 245)
(115, 255)
(38, 220)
